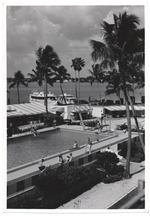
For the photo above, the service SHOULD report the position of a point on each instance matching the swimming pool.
(27, 149)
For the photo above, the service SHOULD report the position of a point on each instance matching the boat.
(37, 96)
(70, 99)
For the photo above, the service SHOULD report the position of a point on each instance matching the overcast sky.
(67, 29)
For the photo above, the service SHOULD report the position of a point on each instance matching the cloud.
(62, 27)
(136, 10)
(67, 29)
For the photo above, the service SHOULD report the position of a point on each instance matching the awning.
(26, 109)
(123, 108)
(14, 113)
(82, 108)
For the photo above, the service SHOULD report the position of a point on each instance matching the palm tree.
(73, 65)
(62, 75)
(121, 43)
(115, 87)
(46, 65)
(114, 83)
(99, 74)
(36, 77)
(136, 76)
(78, 64)
(17, 80)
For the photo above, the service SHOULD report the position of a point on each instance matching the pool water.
(27, 149)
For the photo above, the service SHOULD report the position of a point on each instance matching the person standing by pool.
(98, 126)
(61, 160)
(75, 145)
(34, 131)
(69, 157)
(88, 147)
(102, 119)
(41, 166)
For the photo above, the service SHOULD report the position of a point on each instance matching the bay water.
(94, 91)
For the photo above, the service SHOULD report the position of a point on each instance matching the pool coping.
(28, 133)
(13, 169)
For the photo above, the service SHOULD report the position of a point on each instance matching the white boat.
(70, 99)
(36, 96)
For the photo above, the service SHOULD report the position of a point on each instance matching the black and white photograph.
(75, 100)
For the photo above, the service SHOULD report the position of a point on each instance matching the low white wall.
(97, 111)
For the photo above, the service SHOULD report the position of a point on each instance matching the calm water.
(95, 91)
(30, 148)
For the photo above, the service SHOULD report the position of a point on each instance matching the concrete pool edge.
(13, 169)
(15, 136)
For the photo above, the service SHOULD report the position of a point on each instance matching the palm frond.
(99, 50)
(24, 83)
(12, 85)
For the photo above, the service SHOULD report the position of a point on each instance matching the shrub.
(106, 158)
(137, 153)
(57, 180)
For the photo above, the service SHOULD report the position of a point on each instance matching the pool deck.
(29, 169)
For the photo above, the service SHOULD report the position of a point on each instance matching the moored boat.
(36, 96)
(70, 99)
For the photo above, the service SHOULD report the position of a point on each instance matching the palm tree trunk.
(79, 85)
(76, 86)
(45, 94)
(137, 124)
(63, 93)
(128, 156)
(18, 94)
(126, 174)
(98, 89)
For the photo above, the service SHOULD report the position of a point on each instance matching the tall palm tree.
(16, 81)
(136, 76)
(114, 84)
(78, 64)
(121, 43)
(46, 65)
(115, 87)
(62, 75)
(99, 74)
(36, 76)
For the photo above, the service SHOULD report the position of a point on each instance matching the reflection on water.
(30, 148)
